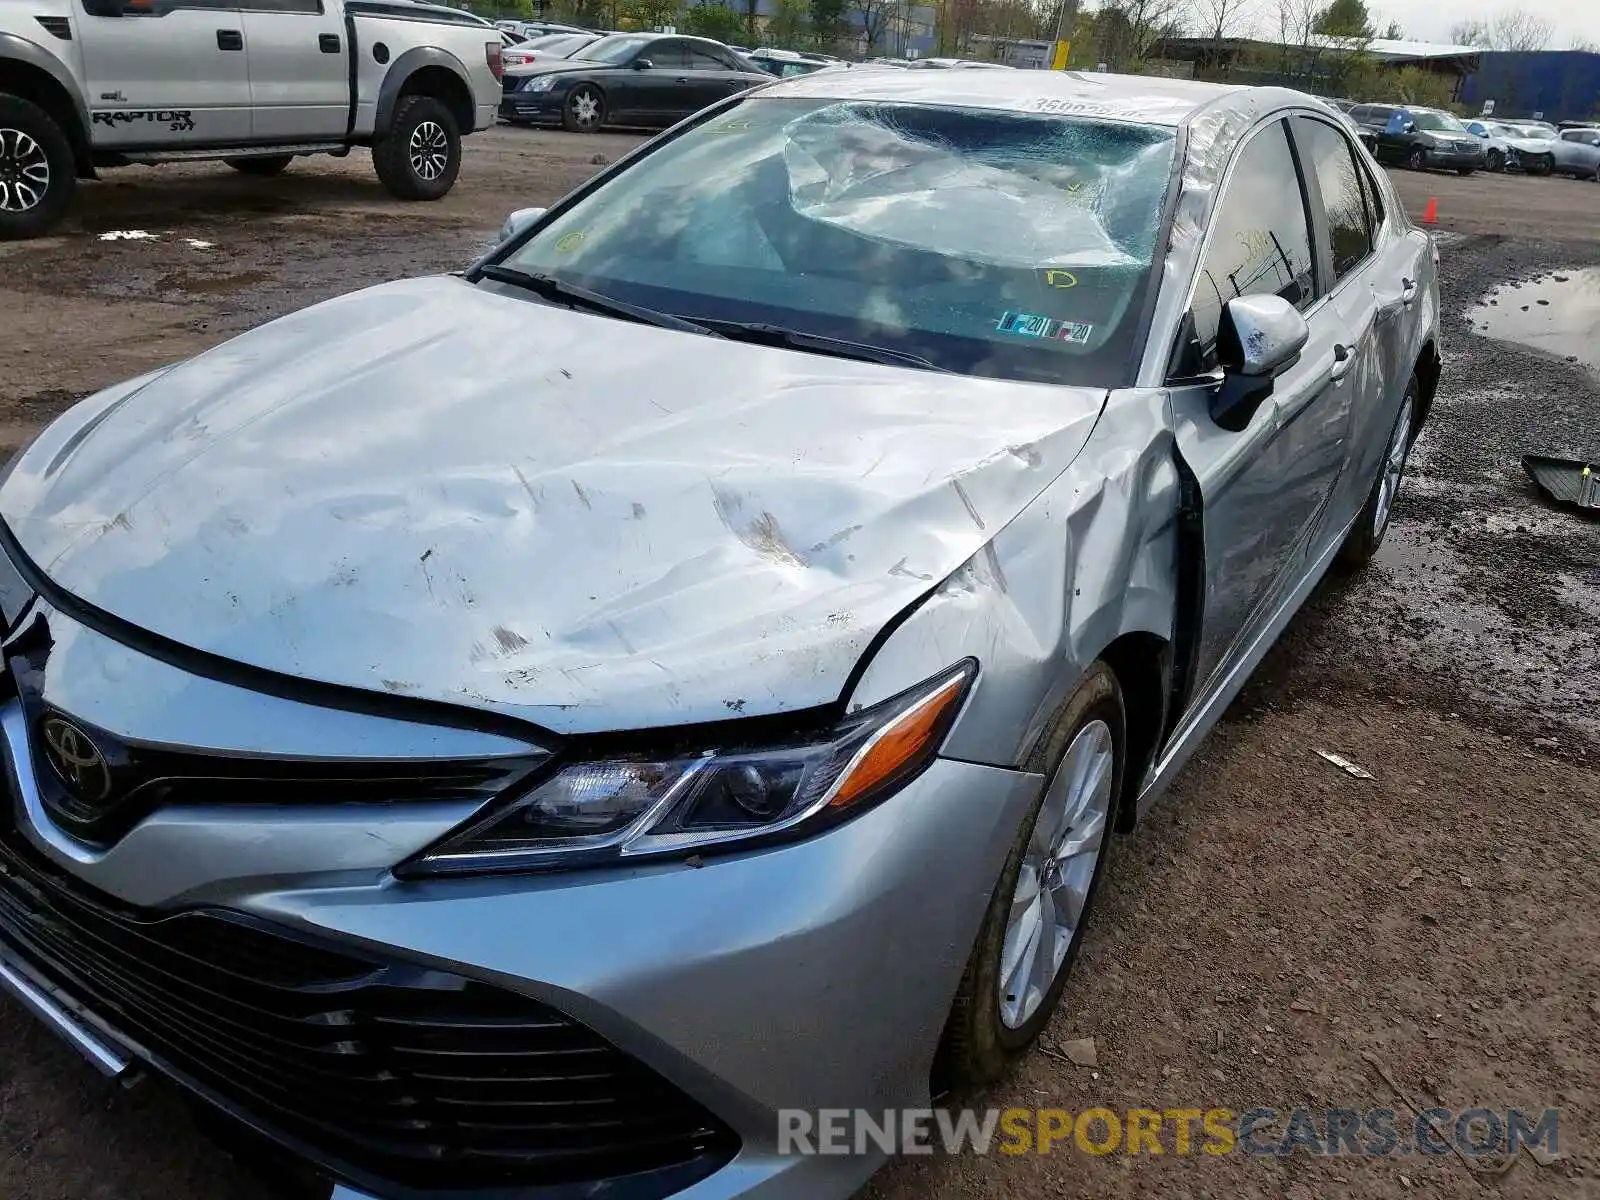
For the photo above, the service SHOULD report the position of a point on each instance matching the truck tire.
(266, 168)
(420, 157)
(38, 174)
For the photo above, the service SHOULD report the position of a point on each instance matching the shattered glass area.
(1031, 193)
(996, 243)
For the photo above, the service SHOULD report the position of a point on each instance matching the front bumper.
(1455, 159)
(530, 106)
(812, 975)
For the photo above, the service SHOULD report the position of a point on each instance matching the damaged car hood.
(650, 528)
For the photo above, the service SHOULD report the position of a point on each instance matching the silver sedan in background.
(476, 778)
(1577, 153)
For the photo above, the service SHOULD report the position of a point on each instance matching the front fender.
(1094, 557)
(407, 65)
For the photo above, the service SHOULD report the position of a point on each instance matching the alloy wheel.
(24, 171)
(585, 108)
(1057, 870)
(429, 150)
(1394, 466)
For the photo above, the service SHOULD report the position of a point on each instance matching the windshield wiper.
(575, 296)
(819, 343)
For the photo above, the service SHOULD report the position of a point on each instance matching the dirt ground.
(1276, 932)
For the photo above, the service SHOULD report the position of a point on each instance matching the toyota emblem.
(77, 760)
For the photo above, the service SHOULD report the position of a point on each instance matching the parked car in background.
(1533, 147)
(1365, 136)
(494, 782)
(534, 29)
(956, 63)
(787, 63)
(1496, 146)
(652, 79)
(1421, 138)
(549, 45)
(1577, 153)
(90, 85)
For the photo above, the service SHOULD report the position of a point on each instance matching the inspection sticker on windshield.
(1032, 325)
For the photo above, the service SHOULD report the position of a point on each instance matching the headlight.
(624, 808)
(539, 83)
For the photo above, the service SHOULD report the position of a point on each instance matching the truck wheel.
(420, 157)
(37, 171)
(264, 167)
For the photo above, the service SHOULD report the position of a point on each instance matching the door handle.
(1343, 356)
(1408, 292)
(230, 39)
(328, 43)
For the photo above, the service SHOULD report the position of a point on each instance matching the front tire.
(1496, 161)
(420, 157)
(1367, 534)
(584, 111)
(1417, 160)
(264, 168)
(1036, 916)
(38, 174)
(1541, 164)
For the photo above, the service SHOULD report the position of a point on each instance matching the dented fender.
(1092, 559)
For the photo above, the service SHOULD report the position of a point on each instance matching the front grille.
(385, 1070)
(510, 83)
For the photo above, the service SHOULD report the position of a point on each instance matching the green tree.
(647, 14)
(714, 20)
(790, 23)
(1394, 33)
(1345, 18)
(827, 21)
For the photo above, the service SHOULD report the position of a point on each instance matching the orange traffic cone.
(1430, 214)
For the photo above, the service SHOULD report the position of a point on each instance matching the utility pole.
(1066, 22)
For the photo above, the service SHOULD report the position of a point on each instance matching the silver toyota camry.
(475, 780)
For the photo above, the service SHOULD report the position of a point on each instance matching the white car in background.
(549, 45)
(1530, 148)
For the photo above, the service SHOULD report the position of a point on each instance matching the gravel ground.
(1275, 922)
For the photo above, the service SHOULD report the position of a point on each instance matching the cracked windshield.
(982, 242)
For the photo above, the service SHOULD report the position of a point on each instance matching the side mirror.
(1409, 127)
(519, 221)
(1260, 338)
(643, 64)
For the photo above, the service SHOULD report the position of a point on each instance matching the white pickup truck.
(91, 84)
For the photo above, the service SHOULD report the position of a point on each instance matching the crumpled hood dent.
(652, 528)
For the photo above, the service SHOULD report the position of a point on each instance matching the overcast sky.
(1430, 20)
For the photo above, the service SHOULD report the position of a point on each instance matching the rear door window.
(1331, 167)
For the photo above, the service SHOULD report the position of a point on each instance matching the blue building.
(1551, 85)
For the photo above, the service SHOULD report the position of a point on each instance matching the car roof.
(1147, 99)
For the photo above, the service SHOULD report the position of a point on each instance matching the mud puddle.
(1557, 314)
